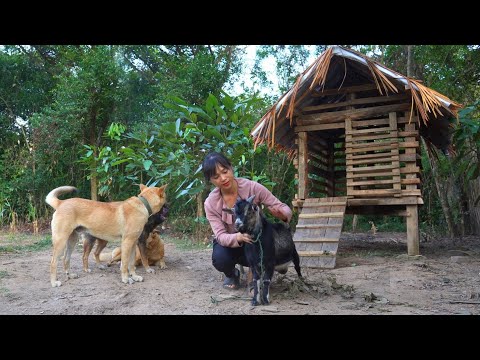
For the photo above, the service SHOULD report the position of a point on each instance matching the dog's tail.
(111, 256)
(52, 197)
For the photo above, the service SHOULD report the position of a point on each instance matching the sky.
(268, 66)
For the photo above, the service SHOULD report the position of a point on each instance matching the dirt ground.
(373, 276)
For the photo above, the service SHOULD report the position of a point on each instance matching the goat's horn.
(250, 199)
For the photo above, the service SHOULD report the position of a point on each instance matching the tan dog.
(120, 221)
(155, 253)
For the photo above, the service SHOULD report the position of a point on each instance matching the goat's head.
(248, 216)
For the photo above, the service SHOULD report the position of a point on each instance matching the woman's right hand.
(241, 238)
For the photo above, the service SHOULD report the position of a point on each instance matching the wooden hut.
(352, 127)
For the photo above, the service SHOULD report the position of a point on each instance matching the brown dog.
(155, 253)
(152, 223)
(111, 221)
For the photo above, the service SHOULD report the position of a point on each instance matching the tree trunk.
(442, 194)
(93, 186)
(200, 209)
(409, 60)
(474, 209)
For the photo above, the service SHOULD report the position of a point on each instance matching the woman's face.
(223, 177)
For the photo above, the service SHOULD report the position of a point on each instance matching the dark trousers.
(224, 258)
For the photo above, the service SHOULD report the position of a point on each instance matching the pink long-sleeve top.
(222, 223)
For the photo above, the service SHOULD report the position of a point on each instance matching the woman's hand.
(244, 238)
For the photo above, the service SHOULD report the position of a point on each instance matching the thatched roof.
(339, 67)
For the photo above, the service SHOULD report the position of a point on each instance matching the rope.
(262, 270)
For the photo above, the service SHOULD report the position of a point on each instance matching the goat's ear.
(255, 207)
(250, 199)
(229, 210)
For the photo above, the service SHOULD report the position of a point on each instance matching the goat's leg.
(267, 278)
(256, 285)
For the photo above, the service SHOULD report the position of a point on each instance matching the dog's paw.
(87, 270)
(72, 276)
(137, 278)
(150, 270)
(131, 281)
(163, 266)
(56, 283)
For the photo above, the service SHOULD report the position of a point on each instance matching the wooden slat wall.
(318, 231)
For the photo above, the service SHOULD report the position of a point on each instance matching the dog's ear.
(229, 210)
(142, 187)
(162, 188)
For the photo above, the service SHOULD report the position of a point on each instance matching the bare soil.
(373, 276)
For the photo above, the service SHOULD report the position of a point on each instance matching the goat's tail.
(52, 197)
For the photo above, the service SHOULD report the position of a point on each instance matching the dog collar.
(147, 205)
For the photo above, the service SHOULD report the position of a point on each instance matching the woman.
(228, 243)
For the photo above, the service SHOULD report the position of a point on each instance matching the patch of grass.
(185, 243)
(39, 245)
(3, 274)
(4, 291)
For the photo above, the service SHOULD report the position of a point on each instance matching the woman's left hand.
(278, 214)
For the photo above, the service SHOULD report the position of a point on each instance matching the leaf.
(147, 164)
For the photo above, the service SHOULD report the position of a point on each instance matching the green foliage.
(467, 139)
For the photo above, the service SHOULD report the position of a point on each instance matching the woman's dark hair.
(209, 165)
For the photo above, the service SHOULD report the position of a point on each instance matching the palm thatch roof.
(339, 67)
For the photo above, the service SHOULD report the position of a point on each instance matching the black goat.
(272, 247)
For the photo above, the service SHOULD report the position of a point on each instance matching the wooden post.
(302, 165)
(413, 243)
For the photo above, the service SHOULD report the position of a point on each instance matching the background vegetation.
(104, 118)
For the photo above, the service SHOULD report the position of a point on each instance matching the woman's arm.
(219, 227)
(276, 207)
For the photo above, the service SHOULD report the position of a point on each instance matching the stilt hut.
(352, 128)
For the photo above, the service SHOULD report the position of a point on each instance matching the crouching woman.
(228, 242)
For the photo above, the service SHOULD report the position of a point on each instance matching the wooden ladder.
(318, 231)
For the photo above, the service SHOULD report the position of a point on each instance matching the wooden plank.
(372, 168)
(370, 182)
(317, 127)
(320, 240)
(369, 100)
(306, 204)
(395, 162)
(353, 114)
(376, 192)
(384, 159)
(302, 165)
(410, 170)
(344, 90)
(367, 131)
(360, 146)
(317, 253)
(374, 174)
(392, 134)
(320, 215)
(386, 201)
(371, 156)
(317, 226)
(413, 243)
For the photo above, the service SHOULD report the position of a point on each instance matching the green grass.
(3, 274)
(42, 244)
(185, 243)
